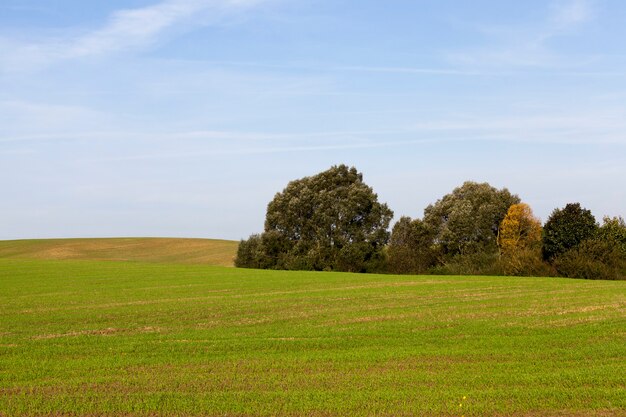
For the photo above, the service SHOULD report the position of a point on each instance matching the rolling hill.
(160, 250)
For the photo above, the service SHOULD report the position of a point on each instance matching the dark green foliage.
(330, 221)
(249, 253)
(262, 251)
(566, 228)
(411, 247)
(601, 257)
(613, 230)
(592, 259)
(466, 221)
(475, 263)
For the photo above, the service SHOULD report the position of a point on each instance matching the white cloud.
(572, 13)
(528, 45)
(136, 27)
(125, 29)
(602, 126)
(21, 117)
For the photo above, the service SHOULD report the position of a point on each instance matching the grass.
(146, 339)
(164, 250)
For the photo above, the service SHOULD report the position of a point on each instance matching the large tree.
(467, 220)
(566, 228)
(329, 221)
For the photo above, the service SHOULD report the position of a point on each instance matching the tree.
(467, 220)
(411, 247)
(613, 230)
(519, 229)
(329, 221)
(519, 240)
(600, 256)
(566, 228)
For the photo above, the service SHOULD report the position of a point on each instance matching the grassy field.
(146, 339)
(165, 250)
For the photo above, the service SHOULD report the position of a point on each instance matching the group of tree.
(333, 221)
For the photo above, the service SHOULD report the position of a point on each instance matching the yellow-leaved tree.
(519, 241)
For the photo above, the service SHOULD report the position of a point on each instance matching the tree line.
(333, 221)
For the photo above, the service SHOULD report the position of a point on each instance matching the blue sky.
(185, 117)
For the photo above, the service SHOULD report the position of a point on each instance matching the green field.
(118, 338)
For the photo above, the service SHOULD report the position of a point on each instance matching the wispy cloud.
(124, 30)
(573, 12)
(138, 27)
(528, 45)
(604, 126)
(22, 117)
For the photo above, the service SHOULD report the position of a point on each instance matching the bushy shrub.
(249, 252)
(593, 259)
(477, 263)
(525, 262)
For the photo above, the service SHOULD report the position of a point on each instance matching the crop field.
(94, 338)
(163, 250)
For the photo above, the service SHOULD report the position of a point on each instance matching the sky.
(183, 118)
